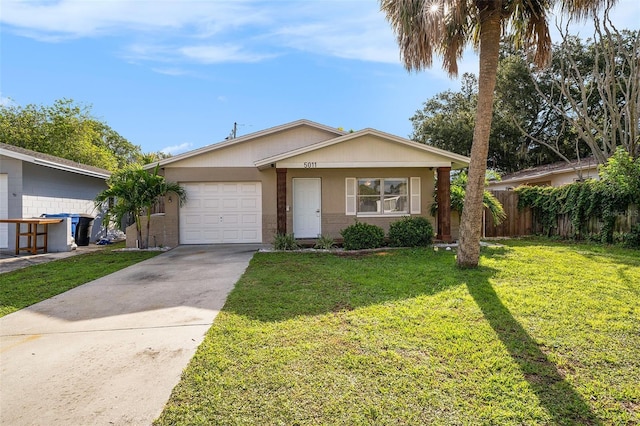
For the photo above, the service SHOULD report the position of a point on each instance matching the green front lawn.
(24, 287)
(542, 333)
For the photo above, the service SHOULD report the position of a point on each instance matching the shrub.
(362, 236)
(632, 239)
(411, 232)
(325, 243)
(285, 242)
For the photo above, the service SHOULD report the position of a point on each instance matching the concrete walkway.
(109, 352)
(10, 262)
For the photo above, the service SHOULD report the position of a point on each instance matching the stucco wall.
(34, 190)
(47, 190)
(333, 214)
(243, 153)
(164, 229)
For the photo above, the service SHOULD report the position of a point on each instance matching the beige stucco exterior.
(304, 150)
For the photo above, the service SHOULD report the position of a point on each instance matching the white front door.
(4, 210)
(306, 207)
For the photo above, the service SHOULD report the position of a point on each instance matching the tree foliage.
(533, 121)
(588, 100)
(447, 121)
(68, 130)
(445, 28)
(458, 190)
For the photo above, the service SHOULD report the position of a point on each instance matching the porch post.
(281, 203)
(444, 204)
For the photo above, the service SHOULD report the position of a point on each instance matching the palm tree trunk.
(139, 229)
(471, 221)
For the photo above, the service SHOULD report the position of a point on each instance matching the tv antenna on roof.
(233, 133)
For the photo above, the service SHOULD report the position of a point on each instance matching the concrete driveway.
(109, 352)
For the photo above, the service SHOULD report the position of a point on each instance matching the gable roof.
(52, 161)
(245, 138)
(547, 170)
(334, 137)
(457, 161)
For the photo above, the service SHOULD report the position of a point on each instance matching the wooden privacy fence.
(518, 222)
(521, 222)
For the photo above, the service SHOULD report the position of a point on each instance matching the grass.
(24, 287)
(541, 333)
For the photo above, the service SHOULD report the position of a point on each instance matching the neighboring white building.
(32, 184)
(556, 174)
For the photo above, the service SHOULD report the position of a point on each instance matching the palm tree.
(444, 28)
(135, 191)
(458, 190)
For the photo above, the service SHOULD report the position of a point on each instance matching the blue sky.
(175, 75)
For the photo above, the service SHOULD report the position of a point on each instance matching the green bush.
(325, 243)
(632, 239)
(362, 236)
(285, 242)
(411, 232)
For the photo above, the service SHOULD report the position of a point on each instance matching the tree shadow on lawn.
(375, 281)
(560, 399)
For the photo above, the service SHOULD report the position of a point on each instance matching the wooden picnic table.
(31, 233)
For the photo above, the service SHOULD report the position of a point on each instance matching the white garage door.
(221, 212)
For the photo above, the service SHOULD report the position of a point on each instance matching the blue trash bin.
(75, 218)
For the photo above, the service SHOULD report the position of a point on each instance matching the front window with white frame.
(378, 196)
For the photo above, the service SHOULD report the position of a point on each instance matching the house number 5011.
(310, 164)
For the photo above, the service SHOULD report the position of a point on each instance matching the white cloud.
(226, 31)
(177, 149)
(81, 18)
(170, 71)
(213, 32)
(213, 54)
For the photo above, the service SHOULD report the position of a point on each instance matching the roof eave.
(53, 164)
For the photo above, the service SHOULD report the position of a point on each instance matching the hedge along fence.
(582, 210)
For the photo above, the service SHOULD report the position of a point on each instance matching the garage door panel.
(192, 219)
(211, 203)
(231, 235)
(211, 234)
(210, 219)
(228, 219)
(250, 235)
(231, 188)
(192, 235)
(250, 219)
(210, 188)
(253, 187)
(230, 203)
(195, 204)
(221, 212)
(248, 203)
